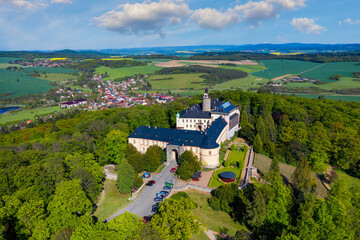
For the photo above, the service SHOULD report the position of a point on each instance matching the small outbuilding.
(227, 176)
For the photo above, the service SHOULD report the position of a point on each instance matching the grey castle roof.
(196, 111)
(217, 106)
(179, 137)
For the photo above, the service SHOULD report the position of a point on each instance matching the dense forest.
(311, 57)
(51, 173)
(211, 75)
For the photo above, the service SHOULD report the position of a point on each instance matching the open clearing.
(214, 220)
(126, 71)
(19, 115)
(177, 81)
(111, 202)
(243, 83)
(262, 163)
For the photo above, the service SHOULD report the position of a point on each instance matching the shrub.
(179, 195)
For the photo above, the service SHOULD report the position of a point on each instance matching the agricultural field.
(19, 115)
(48, 70)
(324, 71)
(126, 71)
(244, 83)
(343, 83)
(177, 81)
(277, 68)
(245, 68)
(20, 83)
(57, 77)
(317, 71)
(8, 59)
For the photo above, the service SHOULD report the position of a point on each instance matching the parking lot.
(142, 205)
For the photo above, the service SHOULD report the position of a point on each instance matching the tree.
(29, 215)
(188, 165)
(137, 161)
(115, 144)
(126, 226)
(302, 179)
(130, 150)
(256, 211)
(126, 177)
(258, 145)
(153, 158)
(176, 220)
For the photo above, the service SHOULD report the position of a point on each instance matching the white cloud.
(31, 5)
(213, 19)
(61, 1)
(146, 17)
(350, 21)
(307, 25)
(289, 4)
(257, 11)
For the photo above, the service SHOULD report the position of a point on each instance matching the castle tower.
(206, 105)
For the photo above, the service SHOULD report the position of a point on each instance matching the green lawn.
(111, 201)
(177, 81)
(262, 163)
(236, 156)
(214, 220)
(126, 71)
(215, 182)
(19, 115)
(49, 70)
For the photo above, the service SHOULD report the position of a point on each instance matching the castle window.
(143, 149)
(190, 120)
(134, 141)
(186, 125)
(183, 120)
(210, 152)
(187, 120)
(196, 149)
(143, 141)
(147, 142)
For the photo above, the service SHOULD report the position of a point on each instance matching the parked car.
(173, 170)
(150, 183)
(196, 176)
(146, 175)
(167, 188)
(165, 192)
(160, 195)
(158, 199)
(154, 209)
(169, 184)
(146, 219)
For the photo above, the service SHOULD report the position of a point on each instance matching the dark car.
(154, 209)
(150, 183)
(146, 219)
(167, 188)
(158, 199)
(160, 195)
(164, 192)
(196, 176)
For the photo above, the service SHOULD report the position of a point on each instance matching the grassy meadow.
(48, 70)
(110, 200)
(177, 81)
(214, 220)
(126, 71)
(262, 163)
(18, 115)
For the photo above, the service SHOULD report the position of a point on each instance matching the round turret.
(206, 105)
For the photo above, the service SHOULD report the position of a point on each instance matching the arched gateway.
(173, 152)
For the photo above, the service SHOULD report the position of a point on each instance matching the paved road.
(142, 205)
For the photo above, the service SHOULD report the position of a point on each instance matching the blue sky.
(94, 24)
